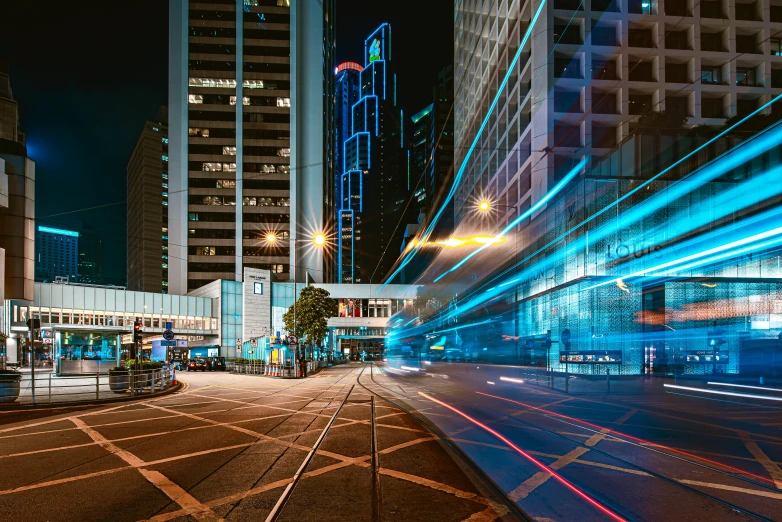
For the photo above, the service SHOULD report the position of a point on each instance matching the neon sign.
(374, 50)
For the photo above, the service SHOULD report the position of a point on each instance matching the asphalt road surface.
(649, 453)
(233, 447)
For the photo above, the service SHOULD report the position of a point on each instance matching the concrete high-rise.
(17, 216)
(57, 256)
(148, 203)
(250, 133)
(374, 182)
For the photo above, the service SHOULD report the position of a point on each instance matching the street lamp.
(485, 206)
(319, 240)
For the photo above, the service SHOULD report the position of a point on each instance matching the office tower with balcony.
(17, 199)
(249, 87)
(375, 185)
(58, 255)
(148, 200)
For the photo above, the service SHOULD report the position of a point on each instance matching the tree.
(313, 309)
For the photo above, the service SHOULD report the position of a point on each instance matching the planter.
(119, 381)
(9, 386)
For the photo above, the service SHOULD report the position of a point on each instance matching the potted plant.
(119, 379)
(9, 385)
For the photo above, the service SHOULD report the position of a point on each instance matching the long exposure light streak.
(719, 392)
(559, 478)
(460, 173)
(636, 439)
(744, 386)
(534, 208)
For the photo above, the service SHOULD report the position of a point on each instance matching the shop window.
(195, 98)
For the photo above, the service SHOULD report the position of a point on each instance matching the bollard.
(173, 379)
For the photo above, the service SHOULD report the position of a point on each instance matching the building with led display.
(250, 100)
(148, 200)
(58, 254)
(374, 184)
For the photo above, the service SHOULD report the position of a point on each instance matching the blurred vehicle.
(199, 363)
(216, 364)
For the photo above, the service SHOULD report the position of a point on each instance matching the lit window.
(155, 129)
(284, 152)
(165, 256)
(165, 140)
(229, 151)
(165, 265)
(232, 100)
(284, 3)
(283, 102)
(226, 183)
(164, 230)
(165, 283)
(165, 194)
(165, 157)
(251, 3)
(252, 84)
(212, 167)
(245, 100)
(165, 176)
(222, 83)
(165, 185)
(229, 167)
(205, 251)
(195, 98)
(165, 237)
(204, 133)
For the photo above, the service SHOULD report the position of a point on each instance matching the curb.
(56, 405)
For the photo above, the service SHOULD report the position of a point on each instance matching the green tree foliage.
(313, 309)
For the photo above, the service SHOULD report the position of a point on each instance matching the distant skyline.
(85, 86)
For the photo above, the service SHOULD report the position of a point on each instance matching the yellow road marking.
(762, 458)
(757, 492)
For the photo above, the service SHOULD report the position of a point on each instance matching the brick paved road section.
(226, 448)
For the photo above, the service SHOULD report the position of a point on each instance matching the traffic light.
(137, 330)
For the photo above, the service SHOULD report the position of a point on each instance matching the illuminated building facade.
(630, 248)
(148, 200)
(348, 91)
(58, 254)
(374, 184)
(250, 87)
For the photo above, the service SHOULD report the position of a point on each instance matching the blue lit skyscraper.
(348, 91)
(58, 254)
(374, 185)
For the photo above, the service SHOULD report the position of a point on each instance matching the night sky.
(88, 74)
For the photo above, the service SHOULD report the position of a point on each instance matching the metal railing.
(271, 369)
(48, 388)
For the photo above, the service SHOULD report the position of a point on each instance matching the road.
(231, 447)
(651, 454)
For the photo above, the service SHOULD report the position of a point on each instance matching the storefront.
(86, 351)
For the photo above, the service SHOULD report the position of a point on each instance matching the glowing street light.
(319, 240)
(484, 206)
(271, 237)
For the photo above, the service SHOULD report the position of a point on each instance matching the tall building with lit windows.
(148, 195)
(374, 184)
(58, 254)
(348, 91)
(250, 128)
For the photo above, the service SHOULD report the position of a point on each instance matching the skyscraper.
(91, 258)
(248, 129)
(148, 251)
(17, 219)
(58, 254)
(347, 92)
(374, 184)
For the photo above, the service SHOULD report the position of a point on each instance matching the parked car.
(216, 364)
(199, 363)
